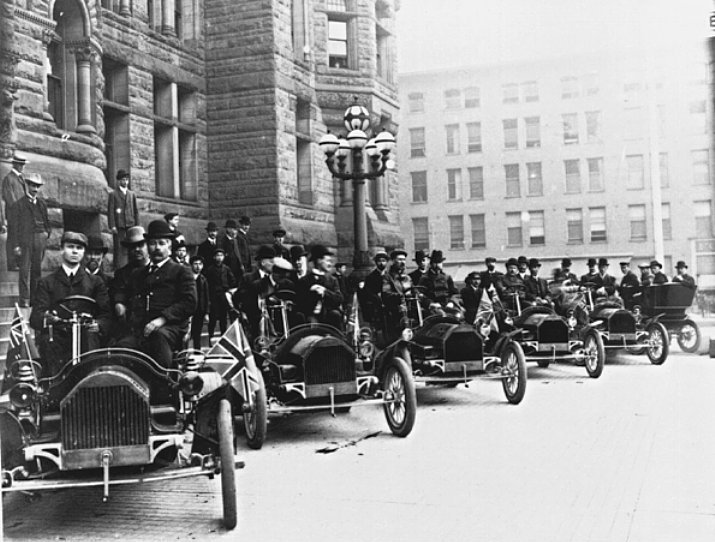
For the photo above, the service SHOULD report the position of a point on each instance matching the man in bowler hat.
(438, 285)
(94, 256)
(278, 247)
(421, 260)
(318, 294)
(207, 247)
(682, 276)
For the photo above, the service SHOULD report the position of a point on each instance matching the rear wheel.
(658, 345)
(595, 353)
(401, 408)
(228, 472)
(255, 421)
(514, 373)
(689, 337)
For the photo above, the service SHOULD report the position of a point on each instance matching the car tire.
(514, 365)
(658, 345)
(228, 471)
(691, 342)
(595, 353)
(399, 383)
(255, 421)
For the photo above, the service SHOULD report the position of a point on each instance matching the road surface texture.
(627, 457)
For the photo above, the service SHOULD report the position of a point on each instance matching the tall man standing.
(207, 248)
(244, 247)
(122, 214)
(29, 228)
(13, 188)
(229, 244)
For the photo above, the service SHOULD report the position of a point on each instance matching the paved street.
(628, 457)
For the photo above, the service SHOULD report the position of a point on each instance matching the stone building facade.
(215, 107)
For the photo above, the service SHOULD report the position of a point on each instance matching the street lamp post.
(346, 159)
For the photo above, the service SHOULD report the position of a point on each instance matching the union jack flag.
(232, 357)
(22, 345)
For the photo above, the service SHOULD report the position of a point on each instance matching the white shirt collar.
(70, 270)
(160, 264)
(318, 272)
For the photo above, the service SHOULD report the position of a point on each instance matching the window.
(536, 228)
(530, 91)
(513, 229)
(636, 217)
(417, 142)
(593, 126)
(511, 136)
(420, 231)
(479, 232)
(573, 176)
(590, 84)
(472, 97)
(634, 123)
(454, 182)
(476, 182)
(574, 225)
(384, 43)
(533, 132)
(456, 232)
(632, 91)
(570, 121)
(703, 220)
(511, 173)
(116, 118)
(176, 169)
(337, 5)
(452, 98)
(510, 93)
(338, 43)
(569, 88)
(535, 182)
(474, 137)
(416, 102)
(112, 5)
(664, 174)
(701, 166)
(452, 138)
(636, 176)
(667, 225)
(299, 29)
(597, 224)
(303, 153)
(419, 186)
(595, 174)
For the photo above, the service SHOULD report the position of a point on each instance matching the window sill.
(479, 246)
(571, 192)
(574, 242)
(599, 242)
(419, 202)
(456, 248)
(512, 197)
(596, 191)
(638, 240)
(535, 195)
(511, 148)
(477, 199)
(454, 200)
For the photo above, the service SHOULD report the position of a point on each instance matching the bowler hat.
(655, 263)
(34, 178)
(158, 229)
(419, 256)
(624, 263)
(522, 259)
(437, 256)
(397, 252)
(122, 173)
(380, 254)
(566, 262)
(297, 251)
(512, 261)
(135, 235)
(244, 221)
(18, 158)
(319, 251)
(603, 261)
(534, 262)
(211, 226)
(95, 243)
(265, 252)
(591, 262)
(176, 245)
(169, 216)
(196, 258)
(490, 259)
(230, 223)
(74, 237)
(280, 232)
(681, 264)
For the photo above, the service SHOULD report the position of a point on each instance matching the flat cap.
(74, 237)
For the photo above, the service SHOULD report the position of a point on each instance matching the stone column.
(46, 38)
(83, 58)
(125, 8)
(8, 85)
(167, 18)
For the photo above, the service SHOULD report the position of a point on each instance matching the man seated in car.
(54, 338)
(537, 289)
(318, 294)
(159, 298)
(512, 286)
(395, 288)
(438, 286)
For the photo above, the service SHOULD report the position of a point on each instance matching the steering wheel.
(80, 304)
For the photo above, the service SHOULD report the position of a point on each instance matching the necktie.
(152, 268)
(71, 276)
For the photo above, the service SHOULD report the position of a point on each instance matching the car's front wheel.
(595, 353)
(689, 337)
(513, 372)
(255, 419)
(658, 343)
(226, 455)
(401, 398)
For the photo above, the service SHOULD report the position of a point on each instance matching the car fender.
(206, 418)
(504, 339)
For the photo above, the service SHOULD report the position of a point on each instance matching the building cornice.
(35, 18)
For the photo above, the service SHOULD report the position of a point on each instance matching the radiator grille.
(329, 365)
(103, 417)
(463, 346)
(621, 322)
(553, 331)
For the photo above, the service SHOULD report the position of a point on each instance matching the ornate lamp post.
(346, 160)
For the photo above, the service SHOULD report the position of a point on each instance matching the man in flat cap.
(421, 260)
(13, 188)
(71, 278)
(536, 289)
(278, 247)
(28, 231)
(656, 268)
(207, 247)
(681, 275)
(318, 295)
(490, 277)
(160, 299)
(438, 285)
(122, 214)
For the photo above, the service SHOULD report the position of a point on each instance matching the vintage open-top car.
(316, 367)
(114, 416)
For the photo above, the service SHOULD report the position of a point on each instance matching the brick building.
(214, 106)
(555, 157)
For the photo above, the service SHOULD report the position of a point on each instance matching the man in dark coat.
(208, 246)
(341, 269)
(256, 286)
(371, 294)
(122, 214)
(299, 260)
(592, 275)
(658, 276)
(471, 295)
(202, 301)
(318, 294)
(395, 289)
(244, 247)
(421, 260)
(29, 229)
(135, 245)
(512, 286)
(536, 289)
(605, 283)
(94, 256)
(54, 339)
(13, 188)
(565, 273)
(278, 247)
(220, 280)
(490, 276)
(161, 298)
(682, 276)
(438, 285)
(229, 243)
(630, 285)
